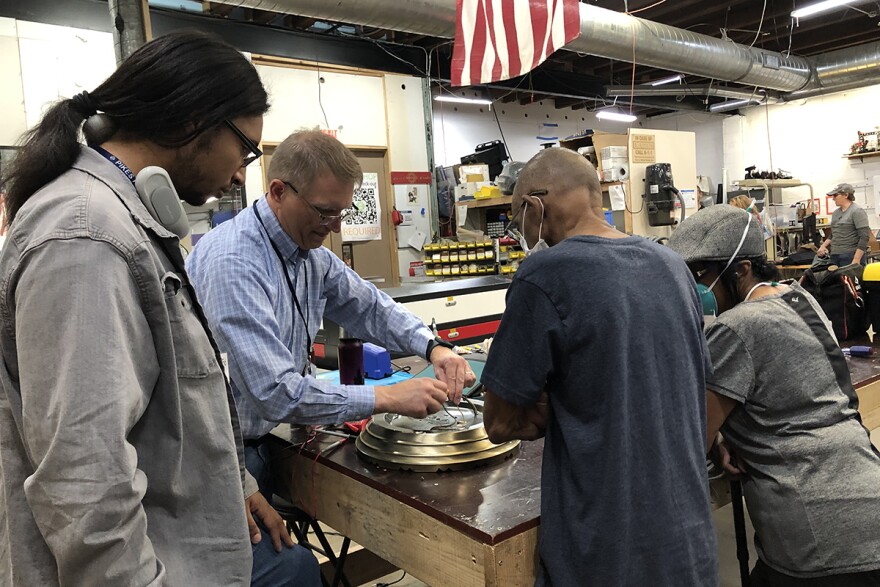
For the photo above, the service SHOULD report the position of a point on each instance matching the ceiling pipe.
(610, 34)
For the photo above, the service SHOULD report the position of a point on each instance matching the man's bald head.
(559, 171)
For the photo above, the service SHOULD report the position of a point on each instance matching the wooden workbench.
(463, 529)
(458, 529)
(865, 373)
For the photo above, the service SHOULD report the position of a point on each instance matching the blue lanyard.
(115, 161)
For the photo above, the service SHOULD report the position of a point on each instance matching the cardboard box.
(465, 171)
(613, 152)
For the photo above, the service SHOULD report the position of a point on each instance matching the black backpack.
(840, 294)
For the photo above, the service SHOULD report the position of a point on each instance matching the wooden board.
(869, 405)
(404, 536)
(514, 562)
(488, 202)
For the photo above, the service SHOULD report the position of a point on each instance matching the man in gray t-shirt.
(604, 328)
(848, 242)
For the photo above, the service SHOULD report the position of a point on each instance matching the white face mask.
(541, 244)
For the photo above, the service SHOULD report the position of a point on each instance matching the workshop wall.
(50, 62)
(407, 133)
(677, 148)
(309, 98)
(809, 138)
(458, 128)
(709, 132)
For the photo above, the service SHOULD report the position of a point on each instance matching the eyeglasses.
(324, 219)
(512, 227)
(253, 151)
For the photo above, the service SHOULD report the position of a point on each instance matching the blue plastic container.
(609, 217)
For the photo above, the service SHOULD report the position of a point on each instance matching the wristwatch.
(435, 342)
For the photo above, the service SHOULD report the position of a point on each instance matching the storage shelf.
(488, 202)
(862, 156)
(770, 183)
(489, 260)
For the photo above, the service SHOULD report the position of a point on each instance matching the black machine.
(661, 195)
(492, 154)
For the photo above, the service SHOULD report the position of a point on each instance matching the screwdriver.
(858, 351)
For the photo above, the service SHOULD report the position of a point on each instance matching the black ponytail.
(169, 92)
(49, 149)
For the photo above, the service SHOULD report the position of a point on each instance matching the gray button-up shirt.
(118, 444)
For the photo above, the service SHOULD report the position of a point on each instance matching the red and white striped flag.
(501, 39)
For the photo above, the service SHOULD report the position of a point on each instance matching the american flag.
(501, 39)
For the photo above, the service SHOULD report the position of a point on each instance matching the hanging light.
(668, 80)
(732, 105)
(460, 100)
(616, 115)
(819, 7)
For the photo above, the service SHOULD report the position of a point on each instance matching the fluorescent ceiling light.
(668, 80)
(819, 7)
(459, 100)
(732, 105)
(615, 115)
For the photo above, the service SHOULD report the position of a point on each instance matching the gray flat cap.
(842, 188)
(713, 233)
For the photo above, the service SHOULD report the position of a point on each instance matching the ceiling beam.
(219, 9)
(567, 102)
(298, 22)
(260, 16)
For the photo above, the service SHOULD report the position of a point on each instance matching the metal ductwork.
(844, 67)
(689, 90)
(610, 34)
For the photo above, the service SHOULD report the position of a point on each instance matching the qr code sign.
(364, 206)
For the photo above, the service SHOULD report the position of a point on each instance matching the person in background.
(744, 203)
(121, 456)
(601, 348)
(848, 243)
(266, 283)
(781, 395)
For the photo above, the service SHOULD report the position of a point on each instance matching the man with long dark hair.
(120, 446)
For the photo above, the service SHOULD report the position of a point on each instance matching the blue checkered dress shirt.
(241, 285)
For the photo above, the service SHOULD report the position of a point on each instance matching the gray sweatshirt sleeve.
(860, 221)
(87, 368)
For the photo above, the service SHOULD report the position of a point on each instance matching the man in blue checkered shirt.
(265, 282)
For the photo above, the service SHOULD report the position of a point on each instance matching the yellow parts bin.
(487, 191)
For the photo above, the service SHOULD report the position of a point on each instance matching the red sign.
(416, 177)
(329, 131)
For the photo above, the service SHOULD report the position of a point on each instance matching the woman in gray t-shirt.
(850, 231)
(782, 395)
